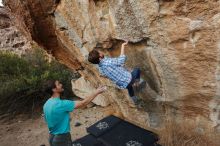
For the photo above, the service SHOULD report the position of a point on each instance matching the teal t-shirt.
(56, 114)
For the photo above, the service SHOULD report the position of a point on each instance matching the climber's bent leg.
(136, 75)
(131, 93)
(137, 81)
(130, 90)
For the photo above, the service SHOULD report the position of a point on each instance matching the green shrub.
(21, 80)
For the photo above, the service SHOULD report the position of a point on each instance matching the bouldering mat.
(87, 140)
(103, 126)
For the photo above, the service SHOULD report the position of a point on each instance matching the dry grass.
(187, 134)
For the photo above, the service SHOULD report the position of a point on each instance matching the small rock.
(78, 124)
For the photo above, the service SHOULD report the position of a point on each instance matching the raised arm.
(123, 47)
(119, 61)
(86, 101)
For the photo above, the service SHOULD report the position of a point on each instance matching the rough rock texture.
(11, 39)
(175, 43)
(83, 89)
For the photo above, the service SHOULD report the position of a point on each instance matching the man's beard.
(61, 92)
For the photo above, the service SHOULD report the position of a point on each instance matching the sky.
(1, 3)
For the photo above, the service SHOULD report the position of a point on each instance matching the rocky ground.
(33, 132)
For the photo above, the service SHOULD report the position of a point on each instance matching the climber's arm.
(119, 61)
(123, 48)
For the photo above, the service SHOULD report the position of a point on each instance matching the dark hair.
(94, 57)
(49, 86)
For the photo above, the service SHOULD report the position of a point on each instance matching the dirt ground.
(34, 132)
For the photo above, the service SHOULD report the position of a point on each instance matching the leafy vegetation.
(21, 80)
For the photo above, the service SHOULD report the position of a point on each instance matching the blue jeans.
(136, 75)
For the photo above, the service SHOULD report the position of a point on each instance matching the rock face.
(11, 39)
(175, 43)
(83, 89)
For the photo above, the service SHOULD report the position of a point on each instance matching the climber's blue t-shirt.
(56, 113)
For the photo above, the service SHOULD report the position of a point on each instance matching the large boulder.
(82, 88)
(175, 43)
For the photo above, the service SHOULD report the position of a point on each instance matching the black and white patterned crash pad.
(113, 131)
(87, 140)
(127, 134)
(103, 126)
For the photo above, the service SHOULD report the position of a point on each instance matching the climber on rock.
(56, 112)
(113, 68)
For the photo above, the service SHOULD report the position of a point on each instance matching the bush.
(21, 80)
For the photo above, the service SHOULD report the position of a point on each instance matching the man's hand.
(125, 43)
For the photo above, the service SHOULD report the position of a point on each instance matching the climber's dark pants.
(60, 140)
(136, 74)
